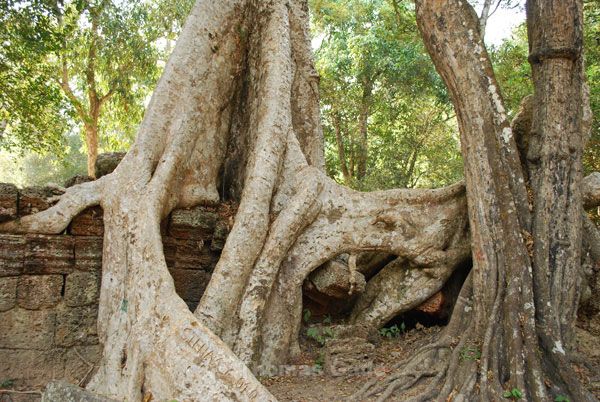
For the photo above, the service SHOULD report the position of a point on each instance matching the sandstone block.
(61, 391)
(31, 369)
(8, 293)
(88, 223)
(194, 223)
(27, 329)
(79, 360)
(88, 253)
(333, 280)
(49, 254)
(76, 326)
(82, 288)
(36, 199)
(107, 163)
(77, 179)
(219, 236)
(12, 254)
(434, 305)
(362, 331)
(36, 292)
(189, 254)
(8, 202)
(190, 284)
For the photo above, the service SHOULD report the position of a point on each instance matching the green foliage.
(470, 353)
(320, 335)
(320, 361)
(30, 168)
(514, 394)
(372, 63)
(102, 49)
(591, 13)
(512, 69)
(7, 383)
(514, 75)
(392, 332)
(306, 315)
(561, 398)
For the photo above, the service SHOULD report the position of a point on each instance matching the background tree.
(374, 70)
(84, 64)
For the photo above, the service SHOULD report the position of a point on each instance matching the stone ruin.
(49, 285)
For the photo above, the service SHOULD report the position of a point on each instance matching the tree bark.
(503, 309)
(555, 159)
(339, 141)
(91, 143)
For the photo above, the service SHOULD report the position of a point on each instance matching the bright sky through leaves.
(502, 23)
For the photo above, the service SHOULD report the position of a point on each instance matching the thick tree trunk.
(515, 313)
(555, 159)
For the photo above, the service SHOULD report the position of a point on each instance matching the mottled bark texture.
(236, 115)
(513, 323)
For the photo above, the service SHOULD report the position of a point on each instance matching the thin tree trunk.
(339, 141)
(91, 143)
(363, 130)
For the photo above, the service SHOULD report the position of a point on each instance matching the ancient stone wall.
(49, 285)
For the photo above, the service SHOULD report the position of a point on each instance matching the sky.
(502, 22)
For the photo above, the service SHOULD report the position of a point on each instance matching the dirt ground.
(319, 387)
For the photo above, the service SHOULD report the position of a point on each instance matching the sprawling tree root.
(433, 363)
(239, 96)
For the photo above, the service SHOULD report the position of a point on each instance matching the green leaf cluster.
(382, 100)
(58, 56)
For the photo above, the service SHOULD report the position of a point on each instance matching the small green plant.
(306, 315)
(320, 361)
(320, 335)
(7, 383)
(561, 398)
(470, 353)
(327, 319)
(514, 394)
(392, 332)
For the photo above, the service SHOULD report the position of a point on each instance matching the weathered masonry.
(49, 285)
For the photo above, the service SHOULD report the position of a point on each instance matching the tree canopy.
(79, 66)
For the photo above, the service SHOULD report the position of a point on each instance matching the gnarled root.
(433, 363)
(394, 221)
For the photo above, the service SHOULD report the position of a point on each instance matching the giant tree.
(237, 111)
